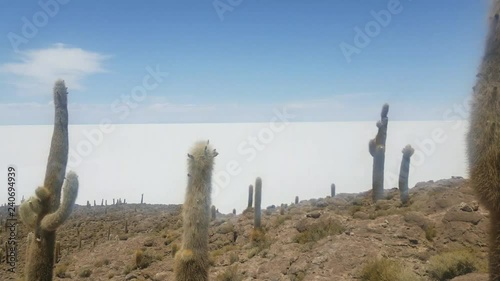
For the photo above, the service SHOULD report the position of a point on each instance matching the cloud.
(38, 69)
(159, 109)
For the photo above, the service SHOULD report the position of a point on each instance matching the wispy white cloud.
(38, 69)
(160, 109)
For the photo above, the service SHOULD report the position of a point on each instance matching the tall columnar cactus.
(296, 200)
(192, 260)
(404, 172)
(250, 197)
(483, 138)
(44, 212)
(258, 201)
(332, 190)
(377, 150)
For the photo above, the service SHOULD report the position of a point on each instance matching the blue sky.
(239, 63)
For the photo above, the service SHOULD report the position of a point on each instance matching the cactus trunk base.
(40, 258)
(191, 266)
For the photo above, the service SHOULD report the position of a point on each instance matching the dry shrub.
(448, 265)
(60, 270)
(142, 260)
(387, 270)
(230, 274)
(319, 230)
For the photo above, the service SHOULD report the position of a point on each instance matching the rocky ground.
(440, 235)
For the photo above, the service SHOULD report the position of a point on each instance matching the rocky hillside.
(440, 235)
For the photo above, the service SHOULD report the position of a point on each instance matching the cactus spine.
(483, 138)
(258, 201)
(250, 197)
(332, 190)
(404, 172)
(192, 260)
(44, 212)
(377, 150)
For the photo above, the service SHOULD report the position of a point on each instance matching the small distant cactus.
(258, 201)
(250, 197)
(44, 212)
(377, 150)
(213, 212)
(296, 200)
(57, 252)
(234, 211)
(192, 260)
(142, 198)
(6, 248)
(483, 138)
(404, 172)
(332, 190)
